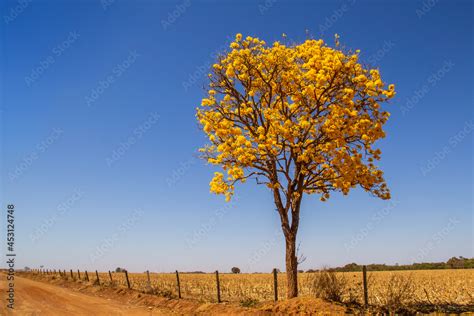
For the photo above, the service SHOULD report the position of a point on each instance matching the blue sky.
(99, 138)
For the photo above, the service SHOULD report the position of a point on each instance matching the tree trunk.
(291, 266)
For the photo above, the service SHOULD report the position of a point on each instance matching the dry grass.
(329, 285)
(387, 289)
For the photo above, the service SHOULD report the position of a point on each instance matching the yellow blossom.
(308, 106)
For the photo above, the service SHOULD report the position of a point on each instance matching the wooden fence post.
(110, 276)
(364, 278)
(97, 275)
(126, 276)
(72, 275)
(275, 284)
(78, 274)
(178, 285)
(87, 276)
(218, 287)
(148, 278)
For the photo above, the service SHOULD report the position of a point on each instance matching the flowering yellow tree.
(297, 118)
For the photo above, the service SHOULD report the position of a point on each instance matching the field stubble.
(421, 287)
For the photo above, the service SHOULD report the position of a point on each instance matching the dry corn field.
(433, 287)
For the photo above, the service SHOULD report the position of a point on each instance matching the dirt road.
(38, 298)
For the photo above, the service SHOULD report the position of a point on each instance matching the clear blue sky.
(99, 137)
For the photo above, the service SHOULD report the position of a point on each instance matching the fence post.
(87, 276)
(178, 285)
(97, 275)
(72, 275)
(78, 274)
(218, 287)
(275, 284)
(364, 277)
(126, 276)
(110, 276)
(148, 278)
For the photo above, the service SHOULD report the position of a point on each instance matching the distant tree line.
(453, 263)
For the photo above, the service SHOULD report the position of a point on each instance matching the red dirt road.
(38, 298)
